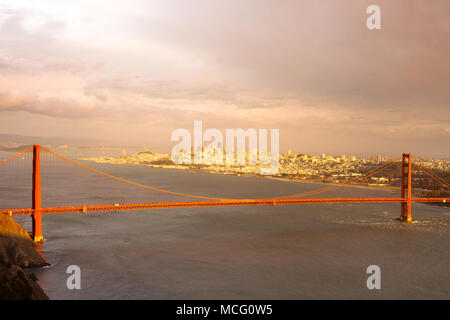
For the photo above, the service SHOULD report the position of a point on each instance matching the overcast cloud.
(140, 69)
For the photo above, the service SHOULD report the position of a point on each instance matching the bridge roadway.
(223, 203)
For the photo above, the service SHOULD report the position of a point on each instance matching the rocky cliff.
(17, 252)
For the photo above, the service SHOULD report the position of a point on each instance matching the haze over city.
(135, 71)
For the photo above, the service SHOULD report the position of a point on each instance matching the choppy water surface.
(273, 252)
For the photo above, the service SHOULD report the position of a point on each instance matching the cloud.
(308, 67)
(319, 49)
(66, 104)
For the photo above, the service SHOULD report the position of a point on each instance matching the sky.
(134, 71)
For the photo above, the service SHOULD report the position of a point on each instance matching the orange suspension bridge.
(56, 184)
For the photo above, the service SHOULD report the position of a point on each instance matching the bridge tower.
(36, 196)
(406, 188)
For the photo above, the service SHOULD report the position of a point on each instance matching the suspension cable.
(130, 182)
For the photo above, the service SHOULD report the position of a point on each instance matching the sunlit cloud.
(314, 71)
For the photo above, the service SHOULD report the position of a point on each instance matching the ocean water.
(258, 252)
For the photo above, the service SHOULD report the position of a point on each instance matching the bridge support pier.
(37, 229)
(36, 196)
(406, 188)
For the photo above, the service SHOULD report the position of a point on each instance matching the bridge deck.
(234, 202)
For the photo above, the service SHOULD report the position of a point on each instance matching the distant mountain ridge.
(12, 139)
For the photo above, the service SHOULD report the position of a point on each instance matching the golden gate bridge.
(55, 184)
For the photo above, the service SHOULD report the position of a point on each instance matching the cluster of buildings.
(328, 168)
(436, 164)
(294, 166)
